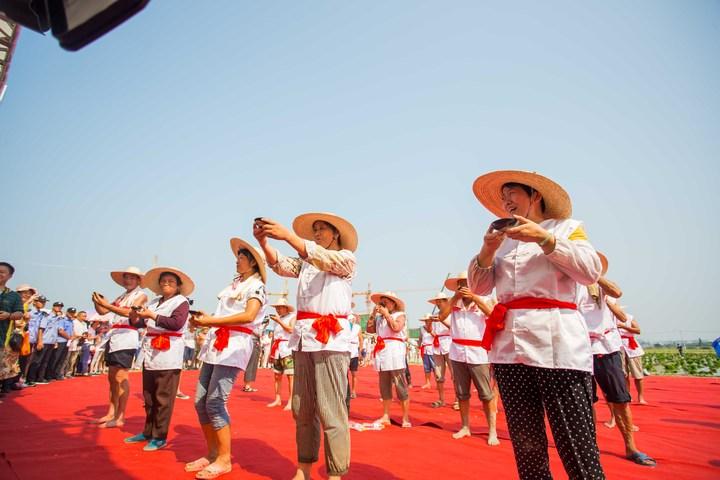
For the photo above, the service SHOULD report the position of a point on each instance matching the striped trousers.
(319, 389)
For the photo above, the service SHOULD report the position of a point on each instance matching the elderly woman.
(321, 339)
(441, 348)
(162, 348)
(280, 353)
(388, 321)
(122, 341)
(226, 351)
(537, 340)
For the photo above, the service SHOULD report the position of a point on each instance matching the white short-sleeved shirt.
(171, 359)
(600, 321)
(354, 340)
(626, 336)
(444, 337)
(548, 338)
(392, 357)
(123, 338)
(283, 336)
(426, 341)
(233, 300)
(467, 323)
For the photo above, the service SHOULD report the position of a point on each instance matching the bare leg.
(222, 437)
(113, 399)
(212, 450)
(464, 419)
(640, 390)
(276, 402)
(427, 381)
(405, 412)
(385, 419)
(610, 423)
(353, 384)
(623, 416)
(490, 409)
(288, 407)
(303, 471)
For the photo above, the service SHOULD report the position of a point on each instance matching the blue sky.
(167, 136)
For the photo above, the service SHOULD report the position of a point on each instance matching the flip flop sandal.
(249, 389)
(642, 459)
(212, 472)
(437, 404)
(197, 465)
(407, 425)
(456, 406)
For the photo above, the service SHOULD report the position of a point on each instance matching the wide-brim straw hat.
(239, 244)
(452, 282)
(283, 303)
(603, 261)
(24, 287)
(488, 189)
(152, 280)
(439, 296)
(426, 318)
(117, 275)
(375, 298)
(303, 227)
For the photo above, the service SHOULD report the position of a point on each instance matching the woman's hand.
(271, 228)
(527, 231)
(99, 300)
(201, 319)
(465, 293)
(383, 310)
(144, 313)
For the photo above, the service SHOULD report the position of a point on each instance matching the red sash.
(496, 321)
(222, 336)
(161, 340)
(598, 336)
(436, 339)
(468, 343)
(275, 346)
(323, 325)
(632, 343)
(380, 344)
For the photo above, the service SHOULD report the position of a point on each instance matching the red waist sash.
(632, 343)
(380, 344)
(161, 340)
(496, 321)
(275, 346)
(436, 339)
(467, 342)
(323, 324)
(222, 336)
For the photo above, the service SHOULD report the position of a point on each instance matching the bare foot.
(426, 386)
(197, 465)
(288, 407)
(642, 402)
(111, 424)
(299, 475)
(104, 419)
(635, 428)
(276, 403)
(463, 432)
(610, 423)
(493, 439)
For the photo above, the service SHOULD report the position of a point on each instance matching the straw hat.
(603, 261)
(439, 296)
(152, 280)
(426, 318)
(452, 282)
(238, 244)
(375, 298)
(117, 275)
(488, 189)
(283, 303)
(24, 287)
(303, 226)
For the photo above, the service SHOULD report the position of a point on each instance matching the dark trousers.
(252, 366)
(159, 390)
(58, 361)
(528, 393)
(82, 366)
(44, 357)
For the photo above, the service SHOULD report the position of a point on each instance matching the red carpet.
(45, 435)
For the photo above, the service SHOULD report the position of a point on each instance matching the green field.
(667, 361)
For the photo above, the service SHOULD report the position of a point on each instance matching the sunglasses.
(503, 223)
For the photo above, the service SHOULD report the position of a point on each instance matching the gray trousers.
(319, 388)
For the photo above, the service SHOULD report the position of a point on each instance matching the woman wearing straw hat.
(388, 321)
(606, 345)
(162, 350)
(227, 349)
(441, 349)
(280, 353)
(465, 314)
(122, 341)
(536, 339)
(426, 348)
(325, 268)
(356, 344)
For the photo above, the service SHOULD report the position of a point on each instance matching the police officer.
(33, 326)
(47, 343)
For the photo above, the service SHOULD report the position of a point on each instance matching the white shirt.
(171, 359)
(626, 336)
(467, 323)
(324, 288)
(354, 340)
(549, 338)
(604, 335)
(123, 338)
(79, 327)
(232, 300)
(444, 338)
(392, 357)
(426, 341)
(189, 339)
(283, 349)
